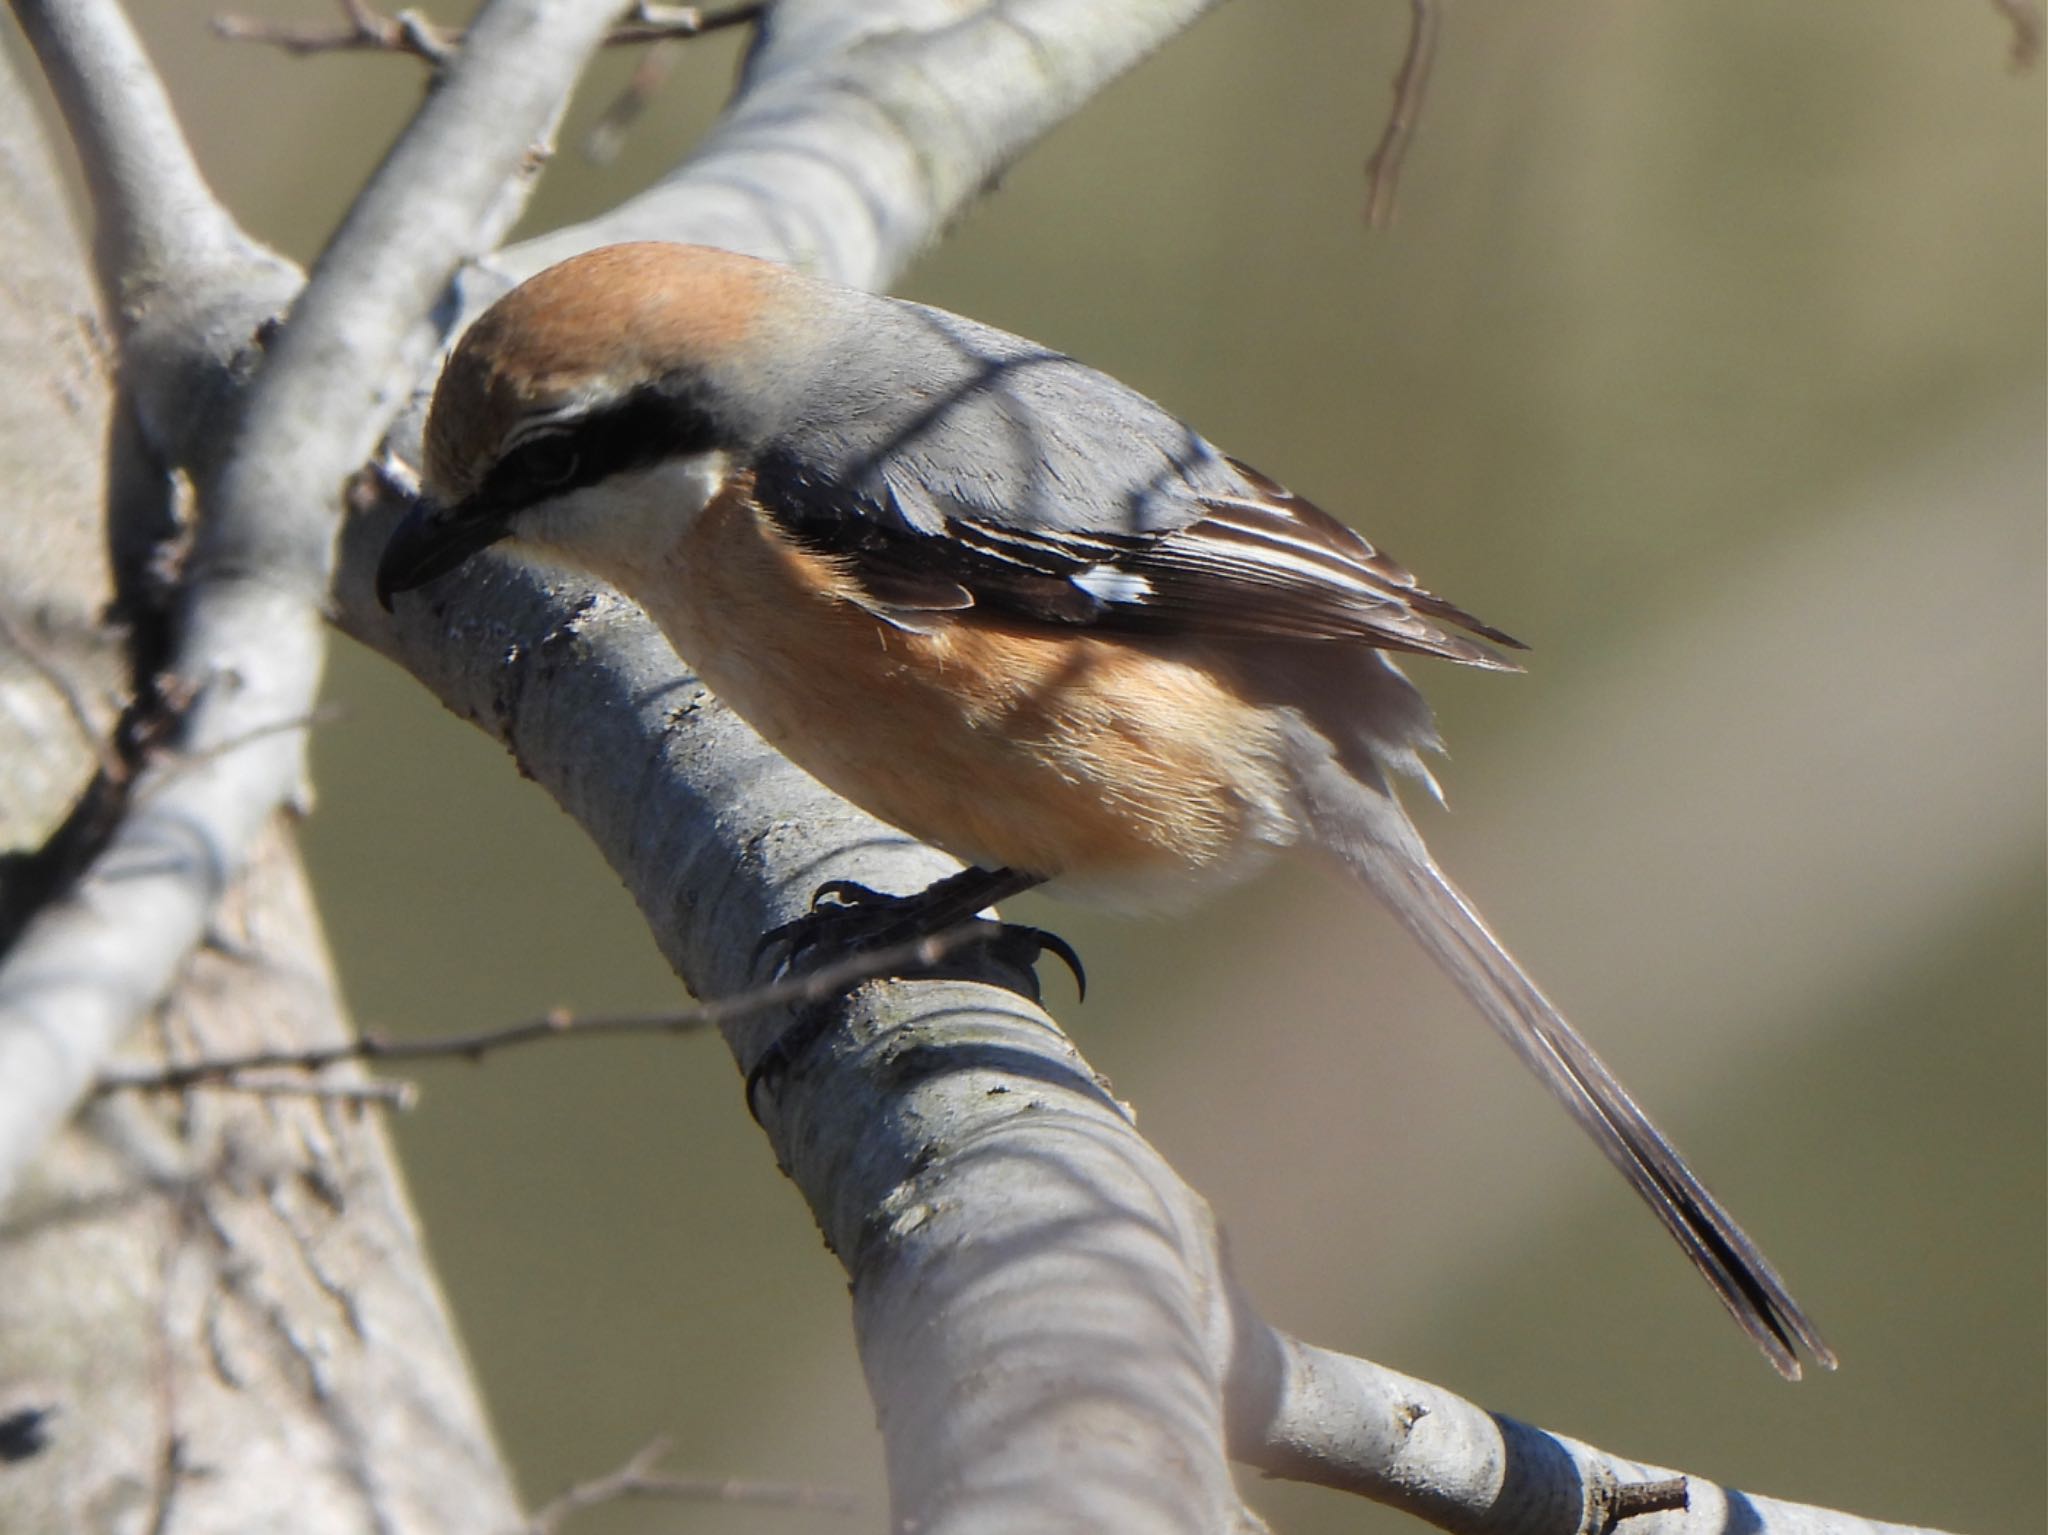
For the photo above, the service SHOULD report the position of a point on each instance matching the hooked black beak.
(430, 542)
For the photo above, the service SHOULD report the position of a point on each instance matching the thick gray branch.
(250, 638)
(222, 1304)
(59, 675)
(1312, 1415)
(858, 130)
(1038, 1296)
(158, 223)
(214, 1314)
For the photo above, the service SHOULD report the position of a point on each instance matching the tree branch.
(854, 133)
(159, 226)
(1411, 85)
(250, 641)
(1312, 1415)
(218, 1310)
(957, 1083)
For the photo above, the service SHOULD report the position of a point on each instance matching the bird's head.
(595, 409)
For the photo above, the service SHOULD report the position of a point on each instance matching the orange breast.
(1093, 761)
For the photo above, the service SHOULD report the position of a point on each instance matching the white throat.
(626, 525)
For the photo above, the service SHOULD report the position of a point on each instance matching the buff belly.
(1124, 774)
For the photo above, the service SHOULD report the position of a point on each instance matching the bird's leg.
(847, 919)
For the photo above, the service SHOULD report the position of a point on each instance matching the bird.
(1007, 605)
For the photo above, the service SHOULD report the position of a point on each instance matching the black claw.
(851, 918)
(851, 892)
(783, 1052)
(771, 1063)
(830, 922)
(1067, 955)
(788, 932)
(847, 918)
(1017, 944)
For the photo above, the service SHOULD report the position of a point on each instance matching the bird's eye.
(546, 460)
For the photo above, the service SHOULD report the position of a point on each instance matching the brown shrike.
(1005, 604)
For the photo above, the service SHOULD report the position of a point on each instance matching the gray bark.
(215, 1313)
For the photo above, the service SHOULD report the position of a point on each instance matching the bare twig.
(601, 144)
(795, 991)
(650, 22)
(639, 1478)
(365, 29)
(396, 1095)
(1383, 170)
(185, 759)
(605, 137)
(361, 28)
(2024, 17)
(1668, 1495)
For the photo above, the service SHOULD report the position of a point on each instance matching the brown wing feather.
(1267, 565)
(1275, 512)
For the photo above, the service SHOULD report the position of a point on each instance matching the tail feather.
(1366, 826)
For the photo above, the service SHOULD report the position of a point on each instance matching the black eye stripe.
(547, 459)
(640, 429)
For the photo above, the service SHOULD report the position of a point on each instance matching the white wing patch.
(1109, 583)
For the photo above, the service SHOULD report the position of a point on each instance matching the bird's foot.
(934, 928)
(935, 933)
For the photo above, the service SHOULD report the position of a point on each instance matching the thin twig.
(1383, 170)
(601, 144)
(2024, 17)
(650, 22)
(363, 29)
(638, 1478)
(1666, 1495)
(175, 760)
(798, 990)
(389, 1094)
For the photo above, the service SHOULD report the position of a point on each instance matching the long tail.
(1365, 825)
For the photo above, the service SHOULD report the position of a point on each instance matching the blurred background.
(1706, 355)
